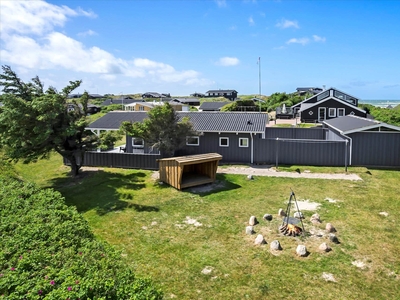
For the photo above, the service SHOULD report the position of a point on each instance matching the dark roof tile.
(202, 121)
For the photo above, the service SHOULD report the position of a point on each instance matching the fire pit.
(288, 226)
(290, 229)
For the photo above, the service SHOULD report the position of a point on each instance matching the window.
(340, 95)
(323, 95)
(141, 108)
(137, 143)
(332, 112)
(192, 141)
(224, 142)
(340, 112)
(243, 142)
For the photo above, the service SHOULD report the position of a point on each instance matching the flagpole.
(259, 76)
(259, 81)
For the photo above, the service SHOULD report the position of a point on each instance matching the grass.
(300, 125)
(148, 222)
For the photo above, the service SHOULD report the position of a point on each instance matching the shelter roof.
(350, 124)
(194, 159)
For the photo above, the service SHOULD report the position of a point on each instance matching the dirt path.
(267, 171)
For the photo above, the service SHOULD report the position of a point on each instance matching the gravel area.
(268, 171)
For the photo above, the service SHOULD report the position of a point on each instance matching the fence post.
(276, 153)
(345, 155)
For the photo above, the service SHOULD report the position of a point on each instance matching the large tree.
(34, 122)
(162, 129)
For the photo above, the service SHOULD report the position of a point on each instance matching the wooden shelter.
(187, 171)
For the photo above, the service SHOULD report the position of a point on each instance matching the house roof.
(92, 105)
(120, 101)
(212, 105)
(186, 100)
(148, 104)
(305, 106)
(315, 96)
(227, 121)
(312, 90)
(221, 91)
(197, 94)
(350, 124)
(153, 94)
(114, 119)
(202, 121)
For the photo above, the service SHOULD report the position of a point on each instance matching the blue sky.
(182, 47)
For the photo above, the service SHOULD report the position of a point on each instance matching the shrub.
(48, 251)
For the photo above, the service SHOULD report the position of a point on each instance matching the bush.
(111, 107)
(48, 251)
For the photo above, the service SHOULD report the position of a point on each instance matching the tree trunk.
(74, 166)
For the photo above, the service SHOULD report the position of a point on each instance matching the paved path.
(265, 171)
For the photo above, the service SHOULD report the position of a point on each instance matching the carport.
(187, 171)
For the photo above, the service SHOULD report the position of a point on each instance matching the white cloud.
(287, 24)
(319, 38)
(35, 17)
(87, 33)
(251, 21)
(29, 40)
(302, 41)
(228, 61)
(233, 27)
(221, 3)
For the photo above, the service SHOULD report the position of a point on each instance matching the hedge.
(49, 252)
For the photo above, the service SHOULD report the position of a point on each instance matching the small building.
(308, 90)
(91, 96)
(153, 95)
(187, 171)
(371, 142)
(92, 109)
(228, 94)
(198, 95)
(187, 101)
(139, 106)
(121, 101)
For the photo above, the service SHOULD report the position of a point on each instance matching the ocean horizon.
(380, 103)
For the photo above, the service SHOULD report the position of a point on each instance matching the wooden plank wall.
(120, 160)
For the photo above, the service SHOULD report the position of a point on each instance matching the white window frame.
(241, 144)
(227, 141)
(341, 110)
(192, 144)
(331, 112)
(136, 145)
(141, 108)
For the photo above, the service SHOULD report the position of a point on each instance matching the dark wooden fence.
(301, 152)
(120, 160)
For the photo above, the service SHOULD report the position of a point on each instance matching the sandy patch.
(307, 205)
(269, 171)
(328, 277)
(359, 264)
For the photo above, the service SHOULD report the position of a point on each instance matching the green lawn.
(151, 224)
